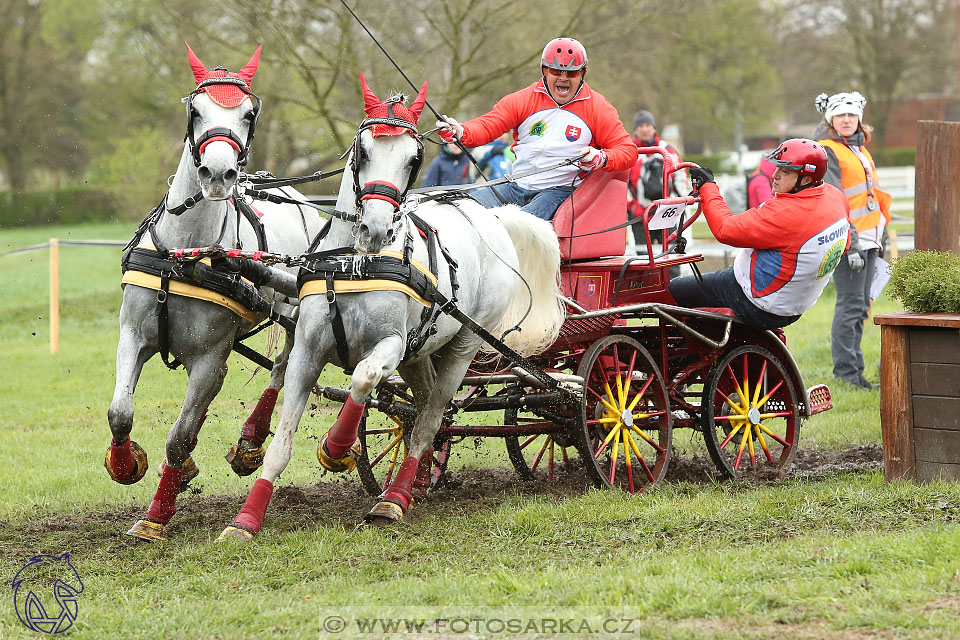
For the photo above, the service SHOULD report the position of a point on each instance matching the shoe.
(860, 383)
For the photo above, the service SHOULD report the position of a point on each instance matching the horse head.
(385, 160)
(222, 113)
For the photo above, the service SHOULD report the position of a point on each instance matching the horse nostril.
(229, 176)
(204, 174)
(364, 230)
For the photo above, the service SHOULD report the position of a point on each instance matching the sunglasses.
(565, 72)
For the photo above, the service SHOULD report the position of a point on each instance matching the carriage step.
(820, 399)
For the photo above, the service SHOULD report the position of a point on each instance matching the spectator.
(850, 167)
(496, 162)
(760, 184)
(792, 242)
(559, 117)
(646, 177)
(449, 167)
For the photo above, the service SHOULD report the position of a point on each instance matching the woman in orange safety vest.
(850, 167)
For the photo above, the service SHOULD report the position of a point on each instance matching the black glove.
(700, 176)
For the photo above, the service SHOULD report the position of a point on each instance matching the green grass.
(840, 557)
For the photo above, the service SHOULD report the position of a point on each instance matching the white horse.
(493, 249)
(198, 326)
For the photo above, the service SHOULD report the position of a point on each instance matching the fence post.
(54, 295)
(937, 201)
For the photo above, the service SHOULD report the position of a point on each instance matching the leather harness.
(389, 270)
(229, 280)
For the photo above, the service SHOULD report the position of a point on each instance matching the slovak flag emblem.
(573, 133)
(591, 289)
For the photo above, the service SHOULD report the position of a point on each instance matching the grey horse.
(493, 249)
(199, 327)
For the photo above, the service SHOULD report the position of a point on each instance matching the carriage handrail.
(668, 170)
(662, 310)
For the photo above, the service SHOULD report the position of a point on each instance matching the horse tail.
(538, 254)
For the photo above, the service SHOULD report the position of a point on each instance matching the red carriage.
(629, 367)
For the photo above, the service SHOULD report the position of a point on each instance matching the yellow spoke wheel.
(626, 415)
(750, 416)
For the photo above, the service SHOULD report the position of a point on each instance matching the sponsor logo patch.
(831, 259)
(538, 128)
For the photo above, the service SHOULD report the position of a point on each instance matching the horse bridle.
(223, 134)
(381, 189)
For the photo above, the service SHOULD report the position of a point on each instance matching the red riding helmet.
(806, 157)
(564, 53)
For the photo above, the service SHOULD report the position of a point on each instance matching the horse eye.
(249, 116)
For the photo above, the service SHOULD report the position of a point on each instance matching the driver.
(556, 118)
(794, 241)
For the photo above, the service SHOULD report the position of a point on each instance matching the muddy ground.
(344, 502)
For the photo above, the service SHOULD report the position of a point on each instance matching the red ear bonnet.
(225, 95)
(374, 108)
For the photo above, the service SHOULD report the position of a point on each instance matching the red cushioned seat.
(600, 202)
(723, 311)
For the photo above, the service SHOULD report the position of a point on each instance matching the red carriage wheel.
(540, 456)
(384, 439)
(626, 415)
(750, 413)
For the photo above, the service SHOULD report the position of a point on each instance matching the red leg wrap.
(421, 483)
(257, 427)
(343, 433)
(399, 489)
(193, 445)
(122, 461)
(251, 515)
(164, 502)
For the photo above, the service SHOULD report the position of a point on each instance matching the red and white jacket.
(795, 242)
(545, 133)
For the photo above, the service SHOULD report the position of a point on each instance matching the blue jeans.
(721, 289)
(849, 314)
(543, 203)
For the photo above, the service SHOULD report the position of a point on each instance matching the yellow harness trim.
(314, 287)
(148, 281)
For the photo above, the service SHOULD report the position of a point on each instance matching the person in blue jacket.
(449, 167)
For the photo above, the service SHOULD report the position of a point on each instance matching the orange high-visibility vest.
(867, 202)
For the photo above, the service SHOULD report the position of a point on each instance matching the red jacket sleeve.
(610, 136)
(762, 228)
(506, 115)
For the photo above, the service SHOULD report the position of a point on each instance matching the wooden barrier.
(937, 201)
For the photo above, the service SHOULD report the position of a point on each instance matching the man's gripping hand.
(449, 129)
(700, 176)
(592, 159)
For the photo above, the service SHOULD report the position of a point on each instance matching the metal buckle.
(161, 296)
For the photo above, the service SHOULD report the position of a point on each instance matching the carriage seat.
(723, 311)
(600, 202)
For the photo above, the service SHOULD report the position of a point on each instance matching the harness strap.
(254, 221)
(163, 322)
(336, 323)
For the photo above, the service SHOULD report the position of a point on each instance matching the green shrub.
(895, 157)
(57, 206)
(927, 282)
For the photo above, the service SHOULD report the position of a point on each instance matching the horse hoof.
(139, 455)
(149, 530)
(384, 514)
(189, 471)
(338, 465)
(235, 533)
(244, 461)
